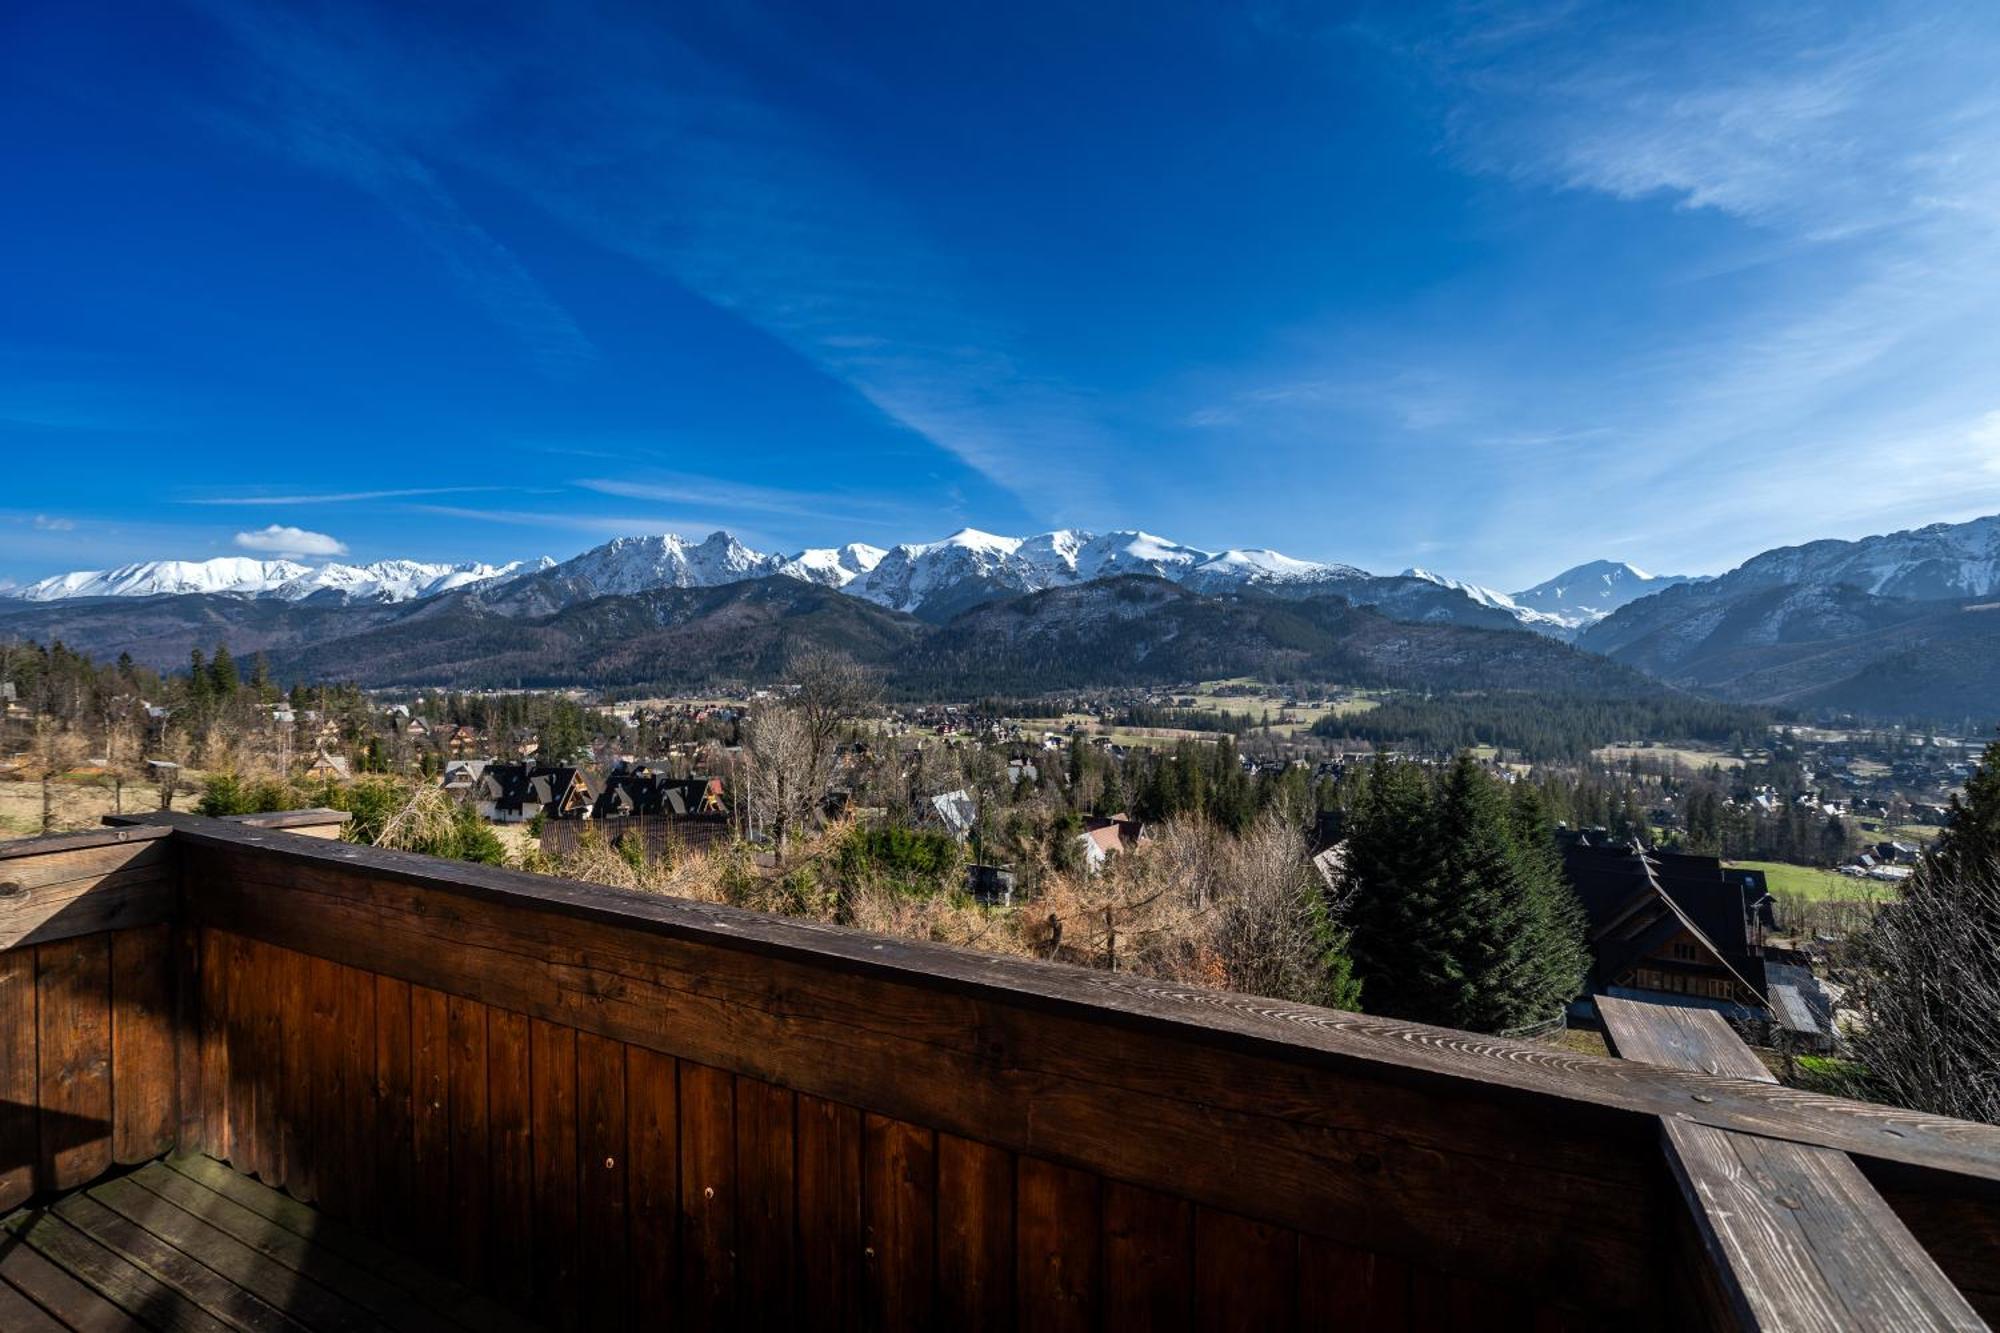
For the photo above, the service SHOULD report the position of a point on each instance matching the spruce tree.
(1562, 953)
(1489, 978)
(222, 672)
(1392, 869)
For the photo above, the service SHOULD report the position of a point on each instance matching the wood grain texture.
(394, 1116)
(73, 1055)
(899, 1221)
(142, 1044)
(1407, 1052)
(1502, 1178)
(430, 1123)
(708, 1196)
(1148, 1260)
(510, 1269)
(831, 1235)
(1793, 1235)
(552, 1071)
(975, 1229)
(652, 1129)
(20, 1147)
(1246, 1274)
(1059, 1272)
(471, 1169)
(600, 1083)
(766, 1191)
(1678, 1038)
(60, 894)
(1802, 1241)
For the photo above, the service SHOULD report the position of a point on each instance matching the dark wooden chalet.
(1671, 925)
(515, 792)
(251, 1080)
(639, 790)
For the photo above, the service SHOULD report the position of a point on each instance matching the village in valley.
(1734, 870)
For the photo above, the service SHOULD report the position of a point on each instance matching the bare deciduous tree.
(786, 776)
(1931, 992)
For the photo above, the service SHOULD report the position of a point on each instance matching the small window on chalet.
(1685, 952)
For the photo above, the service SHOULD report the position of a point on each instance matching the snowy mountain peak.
(288, 580)
(1582, 596)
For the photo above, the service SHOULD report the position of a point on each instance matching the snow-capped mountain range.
(937, 579)
(288, 580)
(1574, 599)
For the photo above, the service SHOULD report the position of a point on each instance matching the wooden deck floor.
(187, 1245)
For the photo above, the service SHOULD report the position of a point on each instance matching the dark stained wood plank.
(21, 1315)
(510, 1139)
(553, 1073)
(394, 1115)
(831, 1238)
(766, 1192)
(652, 1101)
(292, 1108)
(73, 1057)
(237, 1196)
(430, 1130)
(118, 1280)
(1345, 1288)
(1246, 1274)
(600, 1099)
(188, 1104)
(1799, 1240)
(471, 1167)
(203, 1286)
(1059, 1238)
(899, 1220)
(359, 1127)
(78, 1307)
(1678, 1038)
(120, 833)
(1498, 1177)
(484, 897)
(213, 1043)
(20, 1146)
(63, 894)
(142, 1044)
(708, 1196)
(975, 1234)
(236, 957)
(1148, 1260)
(326, 1146)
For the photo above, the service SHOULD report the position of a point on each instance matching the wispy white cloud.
(278, 539)
(46, 523)
(317, 93)
(338, 497)
(710, 495)
(657, 154)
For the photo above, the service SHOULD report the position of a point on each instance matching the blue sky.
(1492, 288)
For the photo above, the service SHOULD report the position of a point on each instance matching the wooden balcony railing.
(617, 1109)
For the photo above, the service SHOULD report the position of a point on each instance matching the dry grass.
(78, 804)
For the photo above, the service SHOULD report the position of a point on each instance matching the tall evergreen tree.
(1392, 867)
(1461, 914)
(222, 672)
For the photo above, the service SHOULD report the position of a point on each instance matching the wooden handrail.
(1517, 1164)
(1418, 1052)
(1791, 1235)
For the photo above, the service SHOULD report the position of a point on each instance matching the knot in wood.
(10, 889)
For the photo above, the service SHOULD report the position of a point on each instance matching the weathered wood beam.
(1791, 1235)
